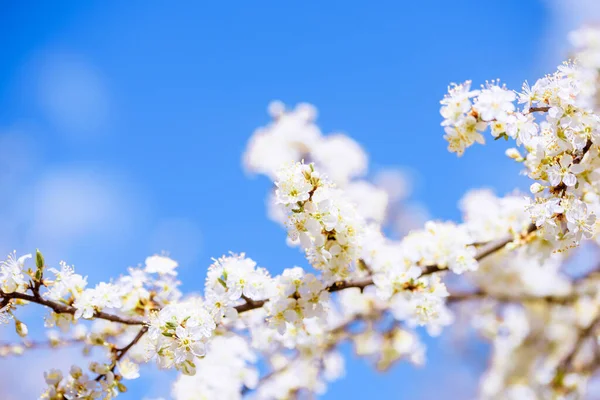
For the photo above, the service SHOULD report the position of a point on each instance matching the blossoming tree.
(278, 337)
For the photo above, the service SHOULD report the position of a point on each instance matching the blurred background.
(123, 124)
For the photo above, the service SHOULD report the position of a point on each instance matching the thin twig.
(5, 347)
(120, 353)
(583, 335)
(460, 297)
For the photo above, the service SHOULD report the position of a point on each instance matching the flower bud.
(75, 371)
(39, 263)
(21, 328)
(514, 154)
(536, 188)
(53, 376)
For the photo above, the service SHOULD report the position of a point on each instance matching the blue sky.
(122, 125)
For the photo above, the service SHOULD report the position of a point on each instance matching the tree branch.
(538, 109)
(460, 297)
(120, 353)
(483, 252)
(584, 334)
(61, 308)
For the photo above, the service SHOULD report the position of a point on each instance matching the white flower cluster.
(462, 128)
(222, 374)
(325, 225)
(543, 323)
(398, 269)
(299, 296)
(130, 299)
(486, 217)
(561, 143)
(66, 285)
(530, 344)
(179, 333)
(440, 244)
(562, 157)
(12, 273)
(231, 278)
(104, 295)
(129, 295)
(531, 340)
(443, 244)
(79, 385)
(423, 304)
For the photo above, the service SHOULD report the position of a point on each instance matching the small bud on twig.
(39, 263)
(21, 328)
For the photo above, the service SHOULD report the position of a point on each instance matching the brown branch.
(61, 308)
(250, 305)
(460, 297)
(538, 109)
(483, 252)
(120, 353)
(584, 334)
(566, 364)
(585, 149)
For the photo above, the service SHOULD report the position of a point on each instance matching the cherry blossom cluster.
(401, 277)
(561, 142)
(231, 278)
(80, 385)
(13, 274)
(299, 296)
(178, 334)
(326, 225)
(223, 373)
(543, 323)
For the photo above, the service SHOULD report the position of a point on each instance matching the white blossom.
(12, 277)
(494, 103)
